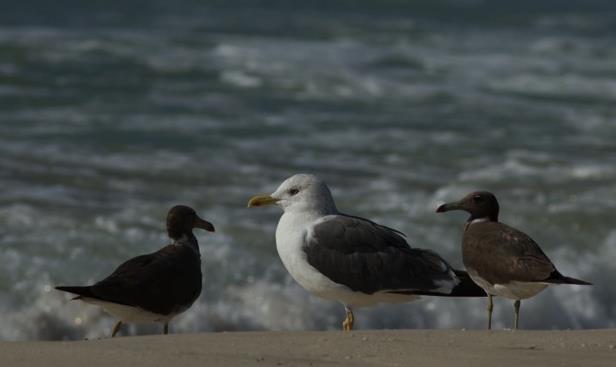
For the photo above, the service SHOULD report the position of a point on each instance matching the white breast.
(512, 290)
(290, 234)
(130, 314)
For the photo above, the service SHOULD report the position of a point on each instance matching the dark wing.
(500, 254)
(158, 282)
(368, 257)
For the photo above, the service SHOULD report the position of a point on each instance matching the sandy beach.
(361, 348)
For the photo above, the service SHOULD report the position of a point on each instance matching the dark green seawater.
(113, 111)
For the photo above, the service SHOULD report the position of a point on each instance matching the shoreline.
(430, 348)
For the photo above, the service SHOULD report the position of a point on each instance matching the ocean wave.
(106, 125)
(573, 87)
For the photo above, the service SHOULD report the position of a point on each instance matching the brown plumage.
(156, 286)
(513, 256)
(502, 260)
(159, 282)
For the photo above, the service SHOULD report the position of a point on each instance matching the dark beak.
(203, 224)
(456, 205)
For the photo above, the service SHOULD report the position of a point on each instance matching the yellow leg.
(347, 324)
(166, 329)
(516, 320)
(490, 308)
(116, 328)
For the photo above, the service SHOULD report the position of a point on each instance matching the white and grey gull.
(350, 259)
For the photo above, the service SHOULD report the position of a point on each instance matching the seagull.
(350, 259)
(154, 287)
(502, 260)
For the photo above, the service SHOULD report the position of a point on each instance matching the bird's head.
(479, 204)
(182, 219)
(299, 192)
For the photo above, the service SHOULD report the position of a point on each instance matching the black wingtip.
(557, 278)
(80, 291)
(467, 287)
(569, 280)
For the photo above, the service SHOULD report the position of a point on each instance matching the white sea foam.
(104, 128)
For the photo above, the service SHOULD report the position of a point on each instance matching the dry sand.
(361, 348)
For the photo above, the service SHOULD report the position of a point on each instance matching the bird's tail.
(466, 287)
(558, 278)
(84, 291)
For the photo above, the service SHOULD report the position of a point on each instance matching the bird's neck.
(187, 239)
(475, 220)
(303, 216)
(312, 208)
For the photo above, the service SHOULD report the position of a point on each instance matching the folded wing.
(157, 282)
(369, 258)
(514, 256)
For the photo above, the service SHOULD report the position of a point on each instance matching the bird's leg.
(516, 307)
(116, 328)
(490, 308)
(347, 324)
(166, 328)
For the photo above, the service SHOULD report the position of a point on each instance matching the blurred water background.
(113, 111)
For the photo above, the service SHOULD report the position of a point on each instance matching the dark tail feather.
(84, 291)
(466, 287)
(558, 278)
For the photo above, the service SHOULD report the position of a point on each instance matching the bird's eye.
(478, 198)
(293, 192)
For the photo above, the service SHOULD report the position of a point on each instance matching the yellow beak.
(261, 200)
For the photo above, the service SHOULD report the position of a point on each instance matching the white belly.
(129, 314)
(513, 290)
(289, 242)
